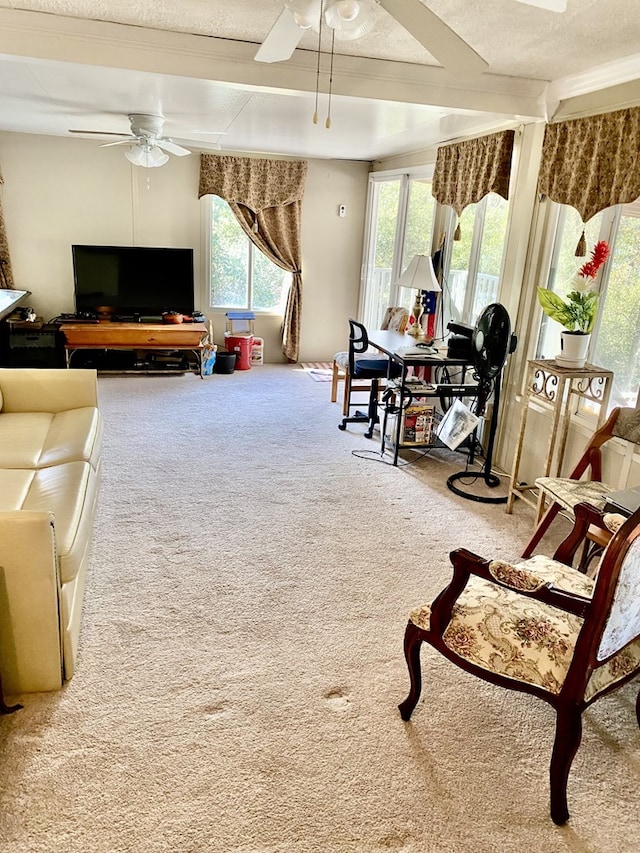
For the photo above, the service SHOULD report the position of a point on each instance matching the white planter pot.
(574, 348)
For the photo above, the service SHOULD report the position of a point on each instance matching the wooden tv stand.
(148, 337)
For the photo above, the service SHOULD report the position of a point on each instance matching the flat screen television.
(133, 280)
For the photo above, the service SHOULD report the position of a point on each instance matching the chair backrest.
(622, 625)
(624, 423)
(627, 425)
(358, 342)
(395, 318)
(613, 618)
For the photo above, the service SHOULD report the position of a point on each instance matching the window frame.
(609, 229)
(479, 220)
(206, 217)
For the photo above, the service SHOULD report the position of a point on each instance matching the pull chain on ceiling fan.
(352, 19)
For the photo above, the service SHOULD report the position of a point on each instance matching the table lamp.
(419, 275)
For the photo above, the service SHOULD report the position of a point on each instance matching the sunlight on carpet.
(320, 371)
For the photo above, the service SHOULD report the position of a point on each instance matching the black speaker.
(459, 346)
(42, 347)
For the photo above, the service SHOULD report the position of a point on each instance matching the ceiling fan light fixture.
(348, 10)
(147, 155)
(305, 12)
(351, 19)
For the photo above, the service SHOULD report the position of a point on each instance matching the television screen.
(130, 280)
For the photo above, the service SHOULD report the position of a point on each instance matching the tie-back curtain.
(466, 171)
(6, 277)
(592, 163)
(266, 199)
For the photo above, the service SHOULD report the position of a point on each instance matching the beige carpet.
(241, 657)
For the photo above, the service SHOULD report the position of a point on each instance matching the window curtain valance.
(592, 163)
(466, 171)
(6, 276)
(266, 199)
(252, 181)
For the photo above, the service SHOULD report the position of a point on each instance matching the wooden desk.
(134, 336)
(391, 343)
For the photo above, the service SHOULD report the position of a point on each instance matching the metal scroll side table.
(557, 389)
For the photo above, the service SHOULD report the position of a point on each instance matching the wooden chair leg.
(412, 643)
(565, 746)
(335, 378)
(541, 529)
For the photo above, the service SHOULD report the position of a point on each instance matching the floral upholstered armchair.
(540, 627)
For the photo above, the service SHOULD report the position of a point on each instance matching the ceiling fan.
(351, 19)
(147, 145)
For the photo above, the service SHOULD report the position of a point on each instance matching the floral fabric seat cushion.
(568, 492)
(508, 633)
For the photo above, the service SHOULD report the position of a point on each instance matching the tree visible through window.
(615, 341)
(241, 276)
(476, 259)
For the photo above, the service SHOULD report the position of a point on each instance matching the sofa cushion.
(68, 491)
(43, 439)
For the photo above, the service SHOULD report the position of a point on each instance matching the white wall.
(58, 192)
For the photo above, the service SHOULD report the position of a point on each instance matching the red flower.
(599, 255)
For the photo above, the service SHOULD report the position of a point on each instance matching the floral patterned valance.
(592, 163)
(255, 182)
(466, 171)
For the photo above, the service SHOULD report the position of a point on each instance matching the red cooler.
(241, 345)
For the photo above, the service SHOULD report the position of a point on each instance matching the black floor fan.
(491, 342)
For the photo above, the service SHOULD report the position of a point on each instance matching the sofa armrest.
(30, 636)
(28, 389)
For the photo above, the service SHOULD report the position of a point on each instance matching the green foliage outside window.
(241, 275)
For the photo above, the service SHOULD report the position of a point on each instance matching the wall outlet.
(342, 210)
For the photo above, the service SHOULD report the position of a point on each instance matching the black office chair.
(370, 366)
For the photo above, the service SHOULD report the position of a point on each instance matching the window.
(402, 217)
(384, 205)
(240, 275)
(473, 279)
(400, 225)
(615, 341)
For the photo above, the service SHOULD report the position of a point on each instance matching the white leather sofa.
(50, 439)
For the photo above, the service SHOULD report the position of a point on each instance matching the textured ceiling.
(516, 39)
(88, 63)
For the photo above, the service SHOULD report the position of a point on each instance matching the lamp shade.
(419, 275)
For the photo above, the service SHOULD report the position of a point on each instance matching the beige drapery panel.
(266, 199)
(466, 171)
(6, 276)
(592, 163)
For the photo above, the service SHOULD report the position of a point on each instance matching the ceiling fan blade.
(438, 38)
(128, 141)
(99, 132)
(550, 5)
(171, 147)
(282, 39)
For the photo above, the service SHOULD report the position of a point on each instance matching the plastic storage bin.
(241, 345)
(225, 362)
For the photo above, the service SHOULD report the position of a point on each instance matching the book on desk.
(418, 351)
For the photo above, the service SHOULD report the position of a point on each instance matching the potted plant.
(576, 312)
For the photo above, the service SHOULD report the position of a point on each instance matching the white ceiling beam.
(33, 34)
